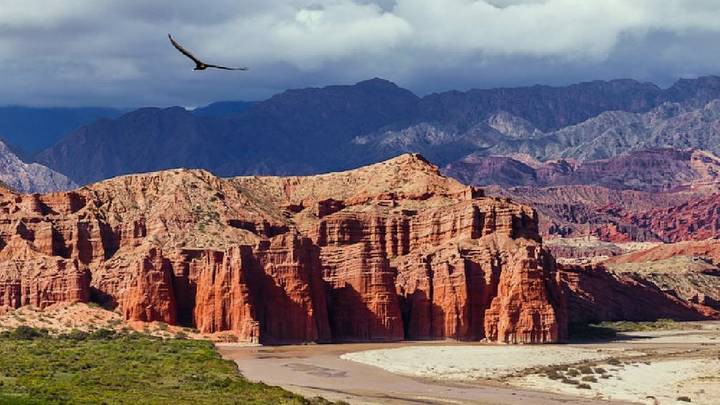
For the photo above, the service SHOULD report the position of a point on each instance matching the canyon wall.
(595, 294)
(386, 252)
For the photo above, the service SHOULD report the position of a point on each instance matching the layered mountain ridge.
(316, 130)
(29, 177)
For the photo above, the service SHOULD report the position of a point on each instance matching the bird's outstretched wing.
(225, 67)
(185, 51)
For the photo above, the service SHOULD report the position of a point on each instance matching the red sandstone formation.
(385, 252)
(595, 294)
(709, 248)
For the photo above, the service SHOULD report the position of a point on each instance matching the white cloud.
(122, 43)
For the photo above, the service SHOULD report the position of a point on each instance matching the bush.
(660, 324)
(584, 386)
(613, 361)
(27, 333)
(586, 370)
(589, 378)
(103, 334)
(572, 373)
(585, 332)
(76, 335)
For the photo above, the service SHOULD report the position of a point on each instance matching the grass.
(660, 324)
(107, 368)
(585, 332)
(609, 330)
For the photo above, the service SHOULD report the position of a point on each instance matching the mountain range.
(399, 249)
(31, 129)
(333, 128)
(591, 157)
(29, 177)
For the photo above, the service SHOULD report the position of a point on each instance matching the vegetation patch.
(588, 332)
(660, 324)
(107, 367)
(609, 330)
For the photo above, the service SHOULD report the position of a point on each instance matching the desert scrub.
(105, 367)
(613, 361)
(572, 373)
(586, 370)
(589, 332)
(660, 324)
(570, 381)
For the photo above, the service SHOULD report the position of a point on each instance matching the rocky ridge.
(649, 170)
(29, 177)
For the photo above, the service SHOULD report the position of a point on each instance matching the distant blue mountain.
(313, 130)
(223, 108)
(30, 129)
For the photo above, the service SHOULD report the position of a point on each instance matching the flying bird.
(200, 65)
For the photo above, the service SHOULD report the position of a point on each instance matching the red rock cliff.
(386, 252)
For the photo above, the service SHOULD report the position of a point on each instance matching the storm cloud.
(115, 52)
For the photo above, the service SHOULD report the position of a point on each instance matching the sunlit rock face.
(385, 252)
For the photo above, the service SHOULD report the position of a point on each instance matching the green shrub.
(104, 368)
(27, 333)
(584, 386)
(660, 324)
(75, 334)
(589, 378)
(586, 332)
(103, 334)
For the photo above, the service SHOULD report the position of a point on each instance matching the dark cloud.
(115, 52)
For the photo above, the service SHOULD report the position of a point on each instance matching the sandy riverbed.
(470, 363)
(641, 367)
(661, 367)
(313, 370)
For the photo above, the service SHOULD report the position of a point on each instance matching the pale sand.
(466, 363)
(656, 367)
(658, 382)
(318, 370)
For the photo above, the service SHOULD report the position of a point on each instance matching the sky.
(116, 52)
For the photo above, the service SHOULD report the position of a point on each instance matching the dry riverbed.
(653, 367)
